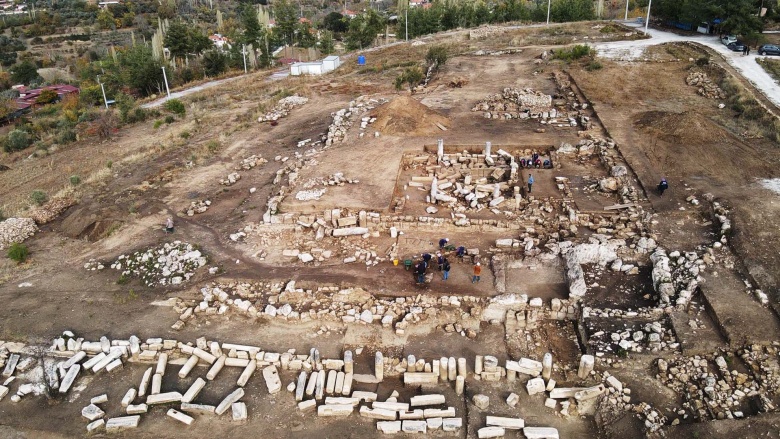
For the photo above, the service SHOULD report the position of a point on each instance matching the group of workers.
(535, 162)
(442, 262)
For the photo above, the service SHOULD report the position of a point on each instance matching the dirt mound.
(691, 144)
(404, 115)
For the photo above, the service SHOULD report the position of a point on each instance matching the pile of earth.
(406, 116)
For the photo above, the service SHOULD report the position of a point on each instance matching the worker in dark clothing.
(427, 259)
(419, 270)
(439, 260)
(443, 242)
(460, 252)
(662, 186)
(445, 269)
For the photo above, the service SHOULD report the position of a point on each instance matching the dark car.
(769, 49)
(736, 46)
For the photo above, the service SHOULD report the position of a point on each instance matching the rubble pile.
(337, 179)
(484, 32)
(515, 103)
(170, 264)
(16, 230)
(197, 207)
(283, 108)
(704, 85)
(676, 276)
(635, 336)
(231, 179)
(51, 209)
(311, 194)
(343, 119)
(250, 162)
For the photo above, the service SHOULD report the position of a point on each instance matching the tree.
(286, 17)
(572, 10)
(25, 72)
(214, 62)
(335, 23)
(411, 76)
(16, 140)
(105, 19)
(253, 30)
(326, 44)
(46, 97)
(138, 69)
(364, 29)
(437, 55)
(177, 39)
(305, 35)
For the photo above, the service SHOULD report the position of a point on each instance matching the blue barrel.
(361, 60)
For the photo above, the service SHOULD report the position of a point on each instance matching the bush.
(213, 146)
(184, 135)
(66, 136)
(75, 180)
(170, 119)
(593, 65)
(46, 97)
(16, 140)
(176, 107)
(411, 76)
(437, 55)
(574, 52)
(109, 164)
(38, 197)
(157, 124)
(18, 252)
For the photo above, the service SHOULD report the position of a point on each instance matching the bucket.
(395, 261)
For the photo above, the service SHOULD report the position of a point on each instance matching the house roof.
(27, 98)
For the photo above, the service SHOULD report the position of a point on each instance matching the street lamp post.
(407, 21)
(165, 77)
(647, 20)
(626, 19)
(243, 52)
(548, 11)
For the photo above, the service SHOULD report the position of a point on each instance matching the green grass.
(772, 66)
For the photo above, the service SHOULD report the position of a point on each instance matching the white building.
(326, 65)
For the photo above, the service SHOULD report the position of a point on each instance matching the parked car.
(769, 49)
(728, 39)
(736, 46)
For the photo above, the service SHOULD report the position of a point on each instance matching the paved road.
(275, 76)
(746, 65)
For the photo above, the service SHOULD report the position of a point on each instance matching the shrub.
(176, 107)
(170, 119)
(212, 146)
(16, 140)
(703, 61)
(411, 76)
(574, 52)
(157, 123)
(75, 180)
(184, 135)
(18, 252)
(437, 55)
(66, 136)
(38, 197)
(46, 97)
(109, 164)
(593, 65)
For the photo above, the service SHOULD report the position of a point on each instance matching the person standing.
(662, 186)
(530, 182)
(744, 50)
(439, 260)
(420, 271)
(477, 272)
(169, 225)
(747, 47)
(446, 269)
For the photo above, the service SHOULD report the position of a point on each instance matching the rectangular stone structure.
(419, 378)
(452, 424)
(507, 423)
(379, 414)
(179, 416)
(239, 411)
(70, 376)
(389, 427)
(194, 390)
(122, 423)
(414, 427)
(197, 408)
(272, 380)
(163, 398)
(396, 406)
(335, 410)
(423, 400)
(230, 399)
(490, 432)
(540, 433)
(449, 412)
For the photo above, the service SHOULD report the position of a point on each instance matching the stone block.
(540, 433)
(452, 424)
(507, 423)
(420, 378)
(67, 381)
(92, 412)
(307, 405)
(197, 408)
(395, 406)
(122, 423)
(414, 427)
(136, 409)
(424, 400)
(95, 426)
(434, 423)
(449, 412)
(129, 397)
(525, 366)
(239, 411)
(179, 416)
(272, 381)
(490, 432)
(512, 399)
(335, 410)
(389, 427)
(229, 400)
(481, 401)
(194, 390)
(413, 414)
(163, 398)
(379, 414)
(535, 385)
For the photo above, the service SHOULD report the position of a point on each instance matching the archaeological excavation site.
(486, 255)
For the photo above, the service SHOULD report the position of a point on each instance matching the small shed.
(330, 63)
(306, 68)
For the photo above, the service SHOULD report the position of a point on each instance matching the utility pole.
(105, 101)
(407, 21)
(626, 19)
(548, 11)
(165, 77)
(647, 20)
(243, 52)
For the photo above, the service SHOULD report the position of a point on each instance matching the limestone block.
(434, 423)
(156, 384)
(197, 408)
(586, 366)
(396, 406)
(377, 413)
(347, 389)
(481, 401)
(247, 373)
(307, 405)
(389, 427)
(449, 412)
(535, 385)
(335, 410)
(364, 396)
(272, 380)
(162, 362)
(490, 432)
(137, 409)
(420, 378)
(163, 398)
(452, 424)
(179, 416)
(540, 433)
(95, 426)
(590, 392)
(194, 390)
(216, 368)
(507, 423)
(239, 411)
(67, 381)
(414, 427)
(100, 399)
(414, 414)
(187, 367)
(525, 366)
(565, 392)
(342, 400)
(144, 382)
(92, 412)
(122, 423)
(423, 400)
(229, 400)
(512, 399)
